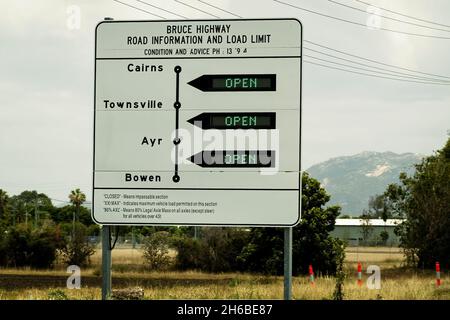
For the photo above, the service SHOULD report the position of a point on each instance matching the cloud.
(47, 77)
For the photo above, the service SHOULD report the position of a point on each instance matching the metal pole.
(287, 263)
(106, 262)
(106, 253)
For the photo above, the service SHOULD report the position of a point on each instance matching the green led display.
(242, 83)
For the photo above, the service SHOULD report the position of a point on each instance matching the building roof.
(373, 222)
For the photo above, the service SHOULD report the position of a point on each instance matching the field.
(129, 271)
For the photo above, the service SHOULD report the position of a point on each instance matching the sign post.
(287, 263)
(106, 262)
(198, 123)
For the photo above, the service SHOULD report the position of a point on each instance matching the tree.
(77, 198)
(28, 202)
(66, 213)
(19, 210)
(424, 200)
(4, 201)
(312, 243)
(366, 226)
(378, 207)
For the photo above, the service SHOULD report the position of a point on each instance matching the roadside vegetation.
(38, 240)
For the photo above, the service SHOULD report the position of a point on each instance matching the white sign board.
(197, 122)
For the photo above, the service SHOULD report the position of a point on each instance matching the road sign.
(234, 158)
(197, 122)
(235, 120)
(235, 82)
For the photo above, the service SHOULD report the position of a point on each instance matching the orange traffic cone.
(311, 275)
(359, 274)
(438, 274)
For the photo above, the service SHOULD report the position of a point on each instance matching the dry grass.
(380, 256)
(370, 255)
(234, 286)
(120, 257)
(129, 271)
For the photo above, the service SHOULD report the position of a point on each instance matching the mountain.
(352, 180)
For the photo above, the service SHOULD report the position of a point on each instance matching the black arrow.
(234, 159)
(235, 120)
(235, 82)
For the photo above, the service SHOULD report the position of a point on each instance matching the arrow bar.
(234, 159)
(235, 82)
(235, 120)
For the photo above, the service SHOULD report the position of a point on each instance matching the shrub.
(23, 245)
(224, 247)
(57, 294)
(156, 251)
(78, 251)
(217, 251)
(189, 253)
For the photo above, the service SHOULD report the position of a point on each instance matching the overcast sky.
(47, 78)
